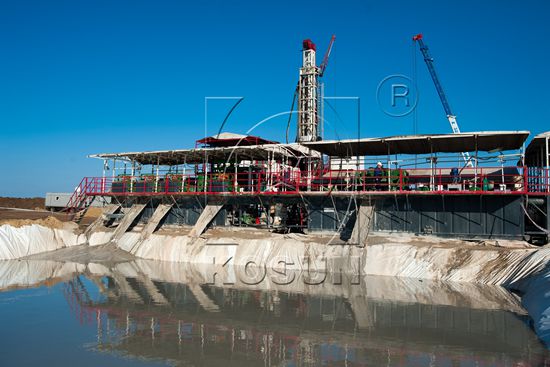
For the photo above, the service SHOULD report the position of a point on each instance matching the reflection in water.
(384, 322)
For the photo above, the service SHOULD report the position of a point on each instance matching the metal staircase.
(80, 201)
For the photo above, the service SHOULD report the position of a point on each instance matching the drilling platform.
(470, 185)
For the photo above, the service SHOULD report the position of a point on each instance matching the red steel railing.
(81, 193)
(486, 180)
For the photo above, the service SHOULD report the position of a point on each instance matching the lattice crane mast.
(446, 106)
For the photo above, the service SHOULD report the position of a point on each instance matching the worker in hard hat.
(378, 173)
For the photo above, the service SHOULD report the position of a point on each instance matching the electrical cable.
(229, 114)
(532, 221)
(291, 110)
(415, 85)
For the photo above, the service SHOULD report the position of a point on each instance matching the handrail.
(80, 194)
(483, 180)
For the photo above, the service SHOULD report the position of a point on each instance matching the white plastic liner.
(431, 260)
(33, 239)
(536, 299)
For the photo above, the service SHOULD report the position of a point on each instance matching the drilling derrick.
(308, 95)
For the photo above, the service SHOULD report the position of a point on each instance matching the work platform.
(302, 169)
(415, 184)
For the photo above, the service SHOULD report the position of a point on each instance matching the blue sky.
(81, 77)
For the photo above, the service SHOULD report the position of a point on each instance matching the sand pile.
(49, 222)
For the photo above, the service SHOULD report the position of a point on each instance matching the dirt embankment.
(19, 212)
(49, 222)
(15, 216)
(22, 203)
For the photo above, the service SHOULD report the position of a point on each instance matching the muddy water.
(144, 313)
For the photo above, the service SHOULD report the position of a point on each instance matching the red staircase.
(80, 200)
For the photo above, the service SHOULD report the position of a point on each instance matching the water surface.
(155, 314)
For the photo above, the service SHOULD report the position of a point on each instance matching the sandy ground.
(91, 214)
(18, 217)
(14, 216)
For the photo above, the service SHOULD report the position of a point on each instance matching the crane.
(446, 106)
(324, 64)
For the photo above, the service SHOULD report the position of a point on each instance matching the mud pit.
(424, 274)
(422, 257)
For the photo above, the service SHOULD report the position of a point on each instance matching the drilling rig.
(309, 95)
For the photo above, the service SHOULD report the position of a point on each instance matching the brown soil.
(22, 203)
(50, 222)
(93, 212)
(91, 215)
(20, 217)
(9, 214)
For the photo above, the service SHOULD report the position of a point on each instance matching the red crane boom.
(324, 64)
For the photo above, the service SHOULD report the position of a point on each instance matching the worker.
(455, 175)
(378, 173)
